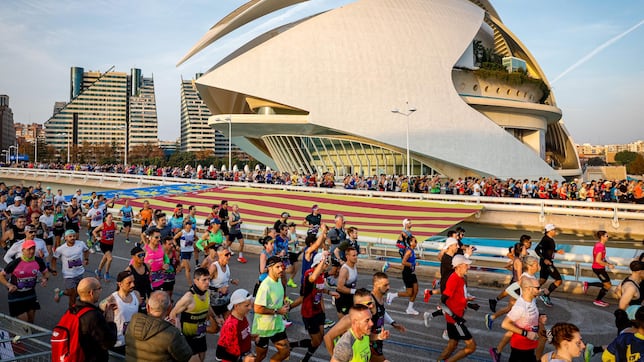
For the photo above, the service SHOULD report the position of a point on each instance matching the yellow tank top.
(193, 323)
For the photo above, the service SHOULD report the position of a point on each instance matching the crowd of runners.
(43, 234)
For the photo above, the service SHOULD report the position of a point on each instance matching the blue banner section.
(152, 191)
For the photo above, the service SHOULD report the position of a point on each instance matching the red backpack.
(65, 344)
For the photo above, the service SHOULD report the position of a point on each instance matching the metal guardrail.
(602, 210)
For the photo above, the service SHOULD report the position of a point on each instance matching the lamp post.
(410, 110)
(16, 148)
(230, 142)
(66, 135)
(35, 147)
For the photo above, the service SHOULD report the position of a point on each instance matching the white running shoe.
(390, 297)
(427, 317)
(412, 311)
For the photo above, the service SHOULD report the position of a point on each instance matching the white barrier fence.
(598, 210)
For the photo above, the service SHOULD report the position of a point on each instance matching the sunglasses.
(368, 304)
(228, 254)
(142, 255)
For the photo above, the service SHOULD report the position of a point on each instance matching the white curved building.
(318, 94)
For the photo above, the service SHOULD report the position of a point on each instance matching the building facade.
(196, 134)
(7, 130)
(318, 94)
(112, 107)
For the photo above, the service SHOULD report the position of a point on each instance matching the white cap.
(239, 296)
(550, 227)
(459, 259)
(406, 222)
(449, 242)
(317, 259)
(17, 198)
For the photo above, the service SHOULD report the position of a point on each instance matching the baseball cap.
(406, 222)
(449, 242)
(70, 232)
(459, 259)
(550, 227)
(135, 250)
(317, 259)
(28, 244)
(239, 296)
(48, 188)
(273, 260)
(30, 228)
(286, 214)
(17, 198)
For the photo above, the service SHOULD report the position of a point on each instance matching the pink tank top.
(154, 258)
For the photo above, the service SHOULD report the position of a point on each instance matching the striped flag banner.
(375, 217)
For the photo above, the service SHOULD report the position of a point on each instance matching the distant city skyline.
(589, 50)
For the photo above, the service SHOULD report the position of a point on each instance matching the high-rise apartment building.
(196, 134)
(7, 130)
(111, 107)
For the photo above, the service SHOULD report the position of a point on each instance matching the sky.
(592, 51)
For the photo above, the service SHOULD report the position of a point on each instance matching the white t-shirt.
(71, 258)
(16, 211)
(525, 315)
(59, 199)
(15, 251)
(47, 220)
(96, 217)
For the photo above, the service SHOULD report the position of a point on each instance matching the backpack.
(65, 343)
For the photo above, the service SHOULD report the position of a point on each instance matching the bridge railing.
(603, 210)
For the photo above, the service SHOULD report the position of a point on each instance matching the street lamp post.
(410, 110)
(230, 143)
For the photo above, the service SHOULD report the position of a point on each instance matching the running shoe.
(127, 241)
(107, 277)
(588, 352)
(242, 260)
(427, 317)
(291, 283)
(98, 274)
(546, 300)
(445, 335)
(435, 283)
(328, 323)
(601, 303)
(492, 305)
(496, 355)
(287, 323)
(585, 287)
(385, 267)
(91, 248)
(426, 295)
(57, 295)
(412, 311)
(390, 297)
(489, 321)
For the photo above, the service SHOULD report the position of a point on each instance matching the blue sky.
(600, 75)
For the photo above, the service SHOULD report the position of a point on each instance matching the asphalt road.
(417, 344)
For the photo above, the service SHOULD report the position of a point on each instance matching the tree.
(636, 167)
(625, 157)
(596, 161)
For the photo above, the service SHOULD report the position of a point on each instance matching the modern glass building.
(105, 107)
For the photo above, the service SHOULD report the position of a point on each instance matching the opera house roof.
(317, 94)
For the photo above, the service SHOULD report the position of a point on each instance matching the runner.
(73, 254)
(47, 222)
(312, 308)
(176, 222)
(381, 317)
(546, 249)
(23, 276)
(363, 296)
(123, 303)
(409, 278)
(73, 216)
(126, 213)
(599, 268)
(354, 345)
(141, 273)
(524, 322)
(105, 234)
(347, 283)
(155, 260)
(185, 238)
(270, 307)
(145, 215)
(631, 297)
(172, 259)
(235, 340)
(526, 242)
(236, 234)
(518, 253)
(282, 250)
(223, 217)
(568, 344)
(336, 235)
(313, 220)
(59, 224)
(219, 285)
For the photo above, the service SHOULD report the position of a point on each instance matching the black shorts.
(263, 341)
(409, 278)
(313, 324)
(458, 332)
(548, 271)
(59, 232)
(235, 236)
(344, 303)
(197, 345)
(376, 348)
(522, 355)
(72, 226)
(168, 286)
(49, 241)
(127, 224)
(23, 306)
(219, 310)
(292, 257)
(602, 275)
(106, 247)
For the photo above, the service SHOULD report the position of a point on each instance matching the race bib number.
(74, 263)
